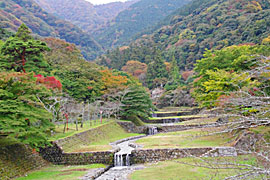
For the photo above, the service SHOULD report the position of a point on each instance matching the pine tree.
(23, 53)
(137, 102)
(21, 114)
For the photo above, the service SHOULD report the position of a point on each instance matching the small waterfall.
(152, 130)
(121, 160)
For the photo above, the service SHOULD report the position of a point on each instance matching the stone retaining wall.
(17, 159)
(171, 120)
(154, 155)
(179, 113)
(174, 128)
(56, 155)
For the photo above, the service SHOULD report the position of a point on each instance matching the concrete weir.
(122, 162)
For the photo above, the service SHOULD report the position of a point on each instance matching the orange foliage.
(135, 68)
(187, 74)
(123, 48)
(247, 44)
(55, 43)
(168, 66)
(113, 83)
(197, 79)
(224, 100)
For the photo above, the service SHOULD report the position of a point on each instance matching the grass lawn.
(176, 170)
(185, 139)
(72, 128)
(60, 172)
(99, 139)
(168, 112)
(175, 109)
(198, 121)
(180, 117)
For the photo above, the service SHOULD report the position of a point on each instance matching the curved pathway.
(119, 173)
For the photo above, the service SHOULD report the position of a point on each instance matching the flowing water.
(152, 130)
(121, 158)
(122, 166)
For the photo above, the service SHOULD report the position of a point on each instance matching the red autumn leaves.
(49, 82)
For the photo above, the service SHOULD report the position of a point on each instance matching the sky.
(103, 1)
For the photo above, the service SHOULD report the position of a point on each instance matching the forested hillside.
(15, 12)
(200, 25)
(84, 14)
(136, 18)
(40, 79)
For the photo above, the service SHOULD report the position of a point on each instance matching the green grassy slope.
(97, 139)
(177, 169)
(60, 172)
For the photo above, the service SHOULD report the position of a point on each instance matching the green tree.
(220, 82)
(174, 76)
(22, 116)
(220, 72)
(156, 72)
(136, 103)
(233, 58)
(80, 79)
(24, 53)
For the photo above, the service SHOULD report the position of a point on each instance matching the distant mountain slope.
(135, 19)
(84, 14)
(15, 12)
(211, 24)
(4, 34)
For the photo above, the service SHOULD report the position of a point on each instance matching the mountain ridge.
(200, 25)
(140, 15)
(84, 14)
(15, 12)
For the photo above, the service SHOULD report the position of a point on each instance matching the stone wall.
(179, 113)
(17, 159)
(154, 155)
(130, 127)
(56, 155)
(173, 128)
(172, 120)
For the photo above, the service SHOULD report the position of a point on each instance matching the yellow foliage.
(266, 41)
(187, 34)
(254, 6)
(112, 82)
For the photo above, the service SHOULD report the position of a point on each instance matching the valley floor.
(191, 168)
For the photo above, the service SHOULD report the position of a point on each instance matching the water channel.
(122, 166)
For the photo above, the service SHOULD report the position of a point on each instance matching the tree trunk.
(83, 115)
(77, 124)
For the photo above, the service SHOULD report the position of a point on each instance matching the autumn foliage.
(187, 74)
(135, 68)
(113, 82)
(49, 82)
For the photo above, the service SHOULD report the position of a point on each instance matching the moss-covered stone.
(16, 159)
